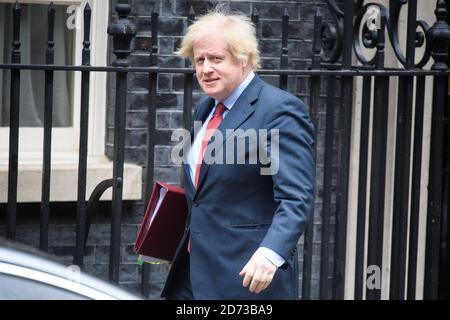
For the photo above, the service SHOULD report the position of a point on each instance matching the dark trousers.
(182, 289)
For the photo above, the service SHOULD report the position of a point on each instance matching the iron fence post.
(122, 30)
(84, 127)
(11, 210)
(47, 147)
(344, 155)
(151, 130)
(439, 34)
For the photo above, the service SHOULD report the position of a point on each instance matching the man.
(243, 224)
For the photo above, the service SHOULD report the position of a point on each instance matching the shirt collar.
(232, 98)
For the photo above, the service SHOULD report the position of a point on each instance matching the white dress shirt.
(194, 152)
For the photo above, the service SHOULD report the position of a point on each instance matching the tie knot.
(220, 109)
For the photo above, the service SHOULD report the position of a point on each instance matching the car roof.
(26, 262)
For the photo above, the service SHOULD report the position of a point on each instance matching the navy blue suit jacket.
(235, 209)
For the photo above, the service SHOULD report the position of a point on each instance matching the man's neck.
(231, 99)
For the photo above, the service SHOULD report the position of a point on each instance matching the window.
(66, 103)
(33, 42)
(67, 85)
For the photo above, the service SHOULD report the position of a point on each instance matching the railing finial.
(122, 30)
(439, 34)
(191, 10)
(317, 41)
(17, 13)
(255, 16)
(87, 32)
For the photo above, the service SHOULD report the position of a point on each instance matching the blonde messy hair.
(236, 29)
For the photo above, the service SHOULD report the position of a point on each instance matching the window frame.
(65, 141)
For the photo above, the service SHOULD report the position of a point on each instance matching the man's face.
(218, 72)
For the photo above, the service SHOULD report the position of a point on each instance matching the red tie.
(213, 124)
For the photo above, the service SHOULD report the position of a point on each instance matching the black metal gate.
(339, 68)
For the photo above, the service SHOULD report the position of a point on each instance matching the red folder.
(163, 224)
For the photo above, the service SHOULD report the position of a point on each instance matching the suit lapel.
(239, 113)
(204, 108)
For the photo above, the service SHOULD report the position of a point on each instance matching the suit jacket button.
(195, 204)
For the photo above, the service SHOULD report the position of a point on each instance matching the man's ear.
(245, 62)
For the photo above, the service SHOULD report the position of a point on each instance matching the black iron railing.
(335, 44)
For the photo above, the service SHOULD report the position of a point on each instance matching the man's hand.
(258, 273)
